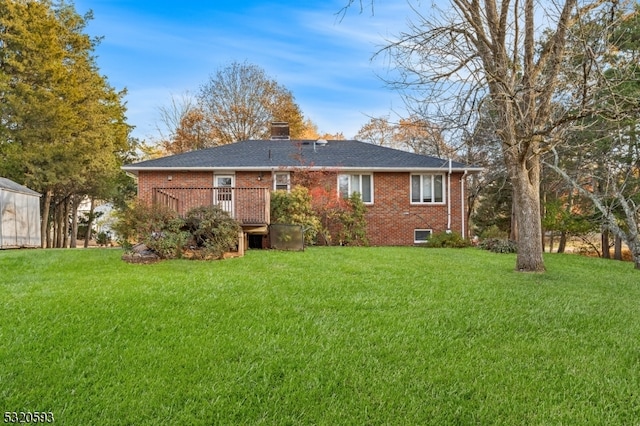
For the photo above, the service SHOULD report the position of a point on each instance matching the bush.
(295, 208)
(447, 240)
(494, 232)
(140, 220)
(158, 227)
(170, 241)
(349, 226)
(497, 245)
(103, 238)
(213, 231)
(209, 229)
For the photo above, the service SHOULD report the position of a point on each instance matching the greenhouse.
(19, 215)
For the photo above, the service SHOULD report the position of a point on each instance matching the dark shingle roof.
(266, 154)
(16, 187)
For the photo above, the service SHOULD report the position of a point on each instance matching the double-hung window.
(362, 184)
(427, 189)
(282, 181)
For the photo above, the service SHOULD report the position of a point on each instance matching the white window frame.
(433, 183)
(415, 237)
(223, 195)
(350, 186)
(275, 181)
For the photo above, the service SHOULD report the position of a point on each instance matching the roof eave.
(135, 170)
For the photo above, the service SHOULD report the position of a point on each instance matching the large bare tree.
(240, 101)
(411, 134)
(511, 54)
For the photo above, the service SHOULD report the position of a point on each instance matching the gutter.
(134, 170)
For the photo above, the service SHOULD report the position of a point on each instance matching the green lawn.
(397, 336)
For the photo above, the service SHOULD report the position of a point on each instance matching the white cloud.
(325, 61)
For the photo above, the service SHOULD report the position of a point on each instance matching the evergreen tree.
(62, 127)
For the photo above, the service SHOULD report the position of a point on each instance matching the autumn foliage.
(326, 217)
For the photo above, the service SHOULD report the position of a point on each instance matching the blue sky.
(159, 49)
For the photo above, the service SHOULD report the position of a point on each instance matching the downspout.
(463, 214)
(449, 199)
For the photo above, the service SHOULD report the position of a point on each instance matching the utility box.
(19, 215)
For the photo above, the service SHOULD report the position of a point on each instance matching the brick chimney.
(280, 131)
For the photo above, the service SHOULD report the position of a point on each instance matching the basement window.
(421, 236)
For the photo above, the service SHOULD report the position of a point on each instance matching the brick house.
(408, 196)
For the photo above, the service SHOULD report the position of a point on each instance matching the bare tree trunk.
(44, 224)
(606, 248)
(58, 224)
(50, 230)
(74, 220)
(562, 244)
(543, 213)
(87, 236)
(635, 252)
(65, 221)
(526, 197)
(54, 225)
(513, 232)
(617, 248)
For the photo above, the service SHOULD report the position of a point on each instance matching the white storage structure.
(19, 215)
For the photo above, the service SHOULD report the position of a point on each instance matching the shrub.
(493, 232)
(447, 240)
(354, 223)
(497, 245)
(158, 227)
(342, 219)
(103, 238)
(212, 230)
(170, 241)
(139, 220)
(295, 208)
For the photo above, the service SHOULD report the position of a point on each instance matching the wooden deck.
(249, 206)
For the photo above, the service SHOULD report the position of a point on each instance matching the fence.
(249, 206)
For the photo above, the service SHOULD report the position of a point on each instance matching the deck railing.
(249, 206)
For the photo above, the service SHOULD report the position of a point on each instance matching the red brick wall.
(391, 219)
(254, 180)
(173, 179)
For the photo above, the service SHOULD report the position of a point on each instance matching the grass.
(325, 336)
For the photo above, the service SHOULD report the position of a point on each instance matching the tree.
(192, 133)
(606, 156)
(62, 127)
(419, 136)
(240, 92)
(240, 102)
(378, 131)
(489, 200)
(410, 134)
(310, 130)
(497, 51)
(183, 126)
